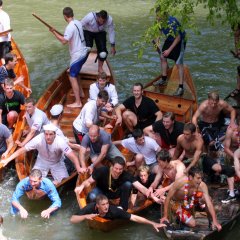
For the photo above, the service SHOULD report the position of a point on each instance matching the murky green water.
(207, 55)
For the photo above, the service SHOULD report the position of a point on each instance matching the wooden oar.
(5, 32)
(46, 24)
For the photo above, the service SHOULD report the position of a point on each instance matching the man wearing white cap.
(36, 118)
(50, 149)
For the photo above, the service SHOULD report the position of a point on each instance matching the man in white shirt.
(35, 118)
(5, 41)
(89, 115)
(95, 25)
(74, 36)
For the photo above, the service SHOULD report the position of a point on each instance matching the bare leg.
(76, 91)
(82, 95)
(181, 73)
(230, 182)
(164, 65)
(100, 66)
(129, 119)
(12, 118)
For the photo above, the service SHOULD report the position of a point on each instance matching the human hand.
(166, 53)
(159, 192)
(79, 189)
(158, 225)
(82, 170)
(149, 192)
(23, 213)
(217, 225)
(164, 219)
(19, 143)
(45, 213)
(29, 90)
(91, 216)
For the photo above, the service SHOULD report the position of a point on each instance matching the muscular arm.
(74, 159)
(232, 112)
(178, 150)
(29, 136)
(82, 155)
(227, 142)
(196, 115)
(102, 155)
(13, 156)
(59, 37)
(80, 218)
(9, 145)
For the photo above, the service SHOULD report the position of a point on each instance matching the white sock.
(231, 193)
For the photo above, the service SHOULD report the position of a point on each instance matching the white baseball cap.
(56, 109)
(50, 127)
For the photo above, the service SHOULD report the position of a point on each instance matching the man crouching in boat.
(186, 194)
(39, 186)
(103, 209)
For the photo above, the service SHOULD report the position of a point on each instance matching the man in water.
(38, 186)
(103, 209)
(187, 193)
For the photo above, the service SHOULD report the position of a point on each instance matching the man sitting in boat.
(103, 84)
(137, 111)
(101, 147)
(169, 170)
(165, 131)
(188, 193)
(212, 166)
(145, 149)
(89, 115)
(211, 122)
(6, 141)
(10, 104)
(7, 71)
(35, 118)
(38, 186)
(50, 149)
(103, 209)
(114, 182)
(191, 143)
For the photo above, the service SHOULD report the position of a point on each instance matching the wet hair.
(36, 173)
(164, 155)
(170, 115)
(213, 96)
(144, 168)
(100, 197)
(189, 127)
(102, 75)
(9, 57)
(118, 160)
(68, 12)
(137, 133)
(102, 14)
(103, 94)
(138, 85)
(30, 100)
(195, 170)
(8, 82)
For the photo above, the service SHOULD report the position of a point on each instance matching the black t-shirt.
(113, 212)
(145, 112)
(13, 104)
(150, 180)
(168, 138)
(4, 73)
(101, 177)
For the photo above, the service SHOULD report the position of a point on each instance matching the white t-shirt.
(48, 154)
(110, 88)
(77, 45)
(4, 26)
(148, 150)
(37, 120)
(89, 114)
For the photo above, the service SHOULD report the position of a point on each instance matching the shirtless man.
(210, 112)
(192, 143)
(187, 192)
(169, 169)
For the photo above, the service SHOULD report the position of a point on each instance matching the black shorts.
(5, 47)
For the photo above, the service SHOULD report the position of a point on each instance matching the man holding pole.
(78, 51)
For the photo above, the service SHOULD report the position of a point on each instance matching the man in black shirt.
(102, 209)
(138, 111)
(114, 182)
(10, 104)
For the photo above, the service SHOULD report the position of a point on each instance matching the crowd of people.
(167, 154)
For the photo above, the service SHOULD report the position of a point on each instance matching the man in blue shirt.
(173, 48)
(37, 186)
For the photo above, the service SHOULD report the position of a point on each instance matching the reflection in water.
(207, 55)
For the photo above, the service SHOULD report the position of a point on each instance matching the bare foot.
(74, 105)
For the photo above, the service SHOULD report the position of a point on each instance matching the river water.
(207, 55)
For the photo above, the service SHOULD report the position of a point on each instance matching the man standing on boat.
(35, 118)
(37, 186)
(209, 114)
(137, 111)
(191, 143)
(50, 150)
(5, 41)
(173, 48)
(165, 131)
(103, 209)
(95, 25)
(73, 35)
(187, 194)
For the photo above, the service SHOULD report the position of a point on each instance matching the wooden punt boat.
(60, 91)
(227, 214)
(184, 106)
(20, 69)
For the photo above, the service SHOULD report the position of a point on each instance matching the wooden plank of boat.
(21, 68)
(184, 106)
(227, 215)
(59, 91)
